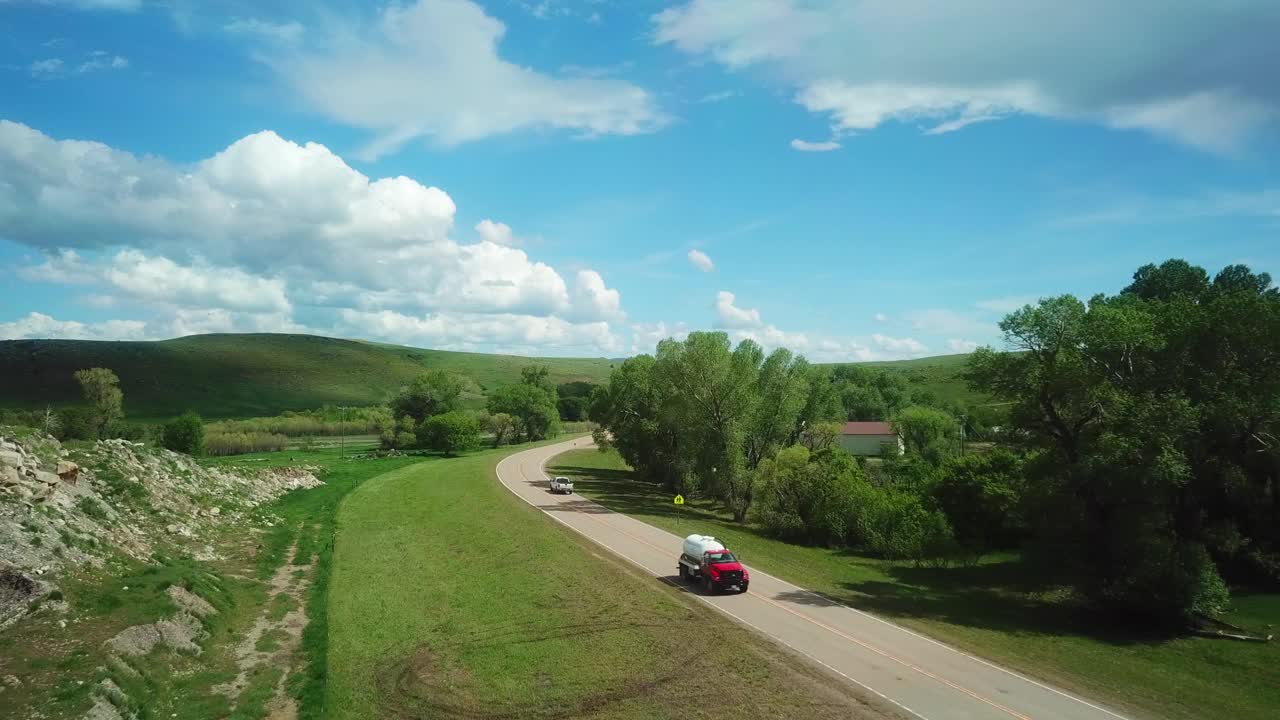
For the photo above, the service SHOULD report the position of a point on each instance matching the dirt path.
(275, 636)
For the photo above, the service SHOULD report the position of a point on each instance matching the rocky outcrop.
(65, 508)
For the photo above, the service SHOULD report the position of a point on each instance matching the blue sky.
(869, 180)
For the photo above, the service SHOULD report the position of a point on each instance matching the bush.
(326, 422)
(238, 443)
(897, 526)
(979, 494)
(184, 434)
(77, 424)
(807, 497)
(1156, 580)
(450, 432)
(131, 431)
(92, 508)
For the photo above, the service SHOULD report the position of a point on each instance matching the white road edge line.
(708, 603)
(994, 666)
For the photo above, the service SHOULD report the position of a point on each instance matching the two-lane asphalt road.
(924, 678)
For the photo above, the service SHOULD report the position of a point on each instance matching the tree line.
(427, 413)
(1137, 449)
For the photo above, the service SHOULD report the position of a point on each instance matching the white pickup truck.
(561, 485)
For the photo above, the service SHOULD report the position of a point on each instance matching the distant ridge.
(241, 375)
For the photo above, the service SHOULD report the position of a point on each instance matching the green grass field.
(450, 598)
(248, 375)
(309, 523)
(1001, 609)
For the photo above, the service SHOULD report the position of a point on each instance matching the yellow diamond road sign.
(679, 499)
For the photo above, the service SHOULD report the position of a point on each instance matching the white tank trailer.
(696, 545)
(715, 573)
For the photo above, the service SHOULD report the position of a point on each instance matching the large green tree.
(630, 414)
(713, 397)
(931, 434)
(703, 414)
(1156, 410)
(431, 393)
(532, 403)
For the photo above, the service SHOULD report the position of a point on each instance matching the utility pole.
(342, 431)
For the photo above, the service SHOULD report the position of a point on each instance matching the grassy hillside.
(247, 375)
(939, 375)
(251, 374)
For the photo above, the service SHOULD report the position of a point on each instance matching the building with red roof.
(870, 439)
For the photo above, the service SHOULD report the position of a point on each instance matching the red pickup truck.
(705, 560)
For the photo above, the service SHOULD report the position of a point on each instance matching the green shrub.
(238, 443)
(450, 432)
(184, 434)
(980, 494)
(91, 508)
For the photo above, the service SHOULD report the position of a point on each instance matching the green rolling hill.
(247, 375)
(235, 375)
(939, 375)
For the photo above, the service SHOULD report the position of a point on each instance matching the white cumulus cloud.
(910, 346)
(496, 232)
(432, 69)
(646, 336)
(247, 236)
(701, 261)
(961, 346)
(40, 326)
(729, 315)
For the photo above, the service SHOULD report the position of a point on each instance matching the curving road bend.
(922, 677)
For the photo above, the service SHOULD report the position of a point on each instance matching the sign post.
(679, 501)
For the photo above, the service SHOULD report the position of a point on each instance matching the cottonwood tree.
(431, 393)
(1157, 415)
(532, 403)
(929, 433)
(503, 427)
(704, 414)
(102, 392)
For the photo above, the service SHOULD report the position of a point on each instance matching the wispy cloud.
(46, 68)
(806, 146)
(721, 96)
(93, 62)
(288, 32)
(1005, 304)
(701, 261)
(1136, 209)
(102, 60)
